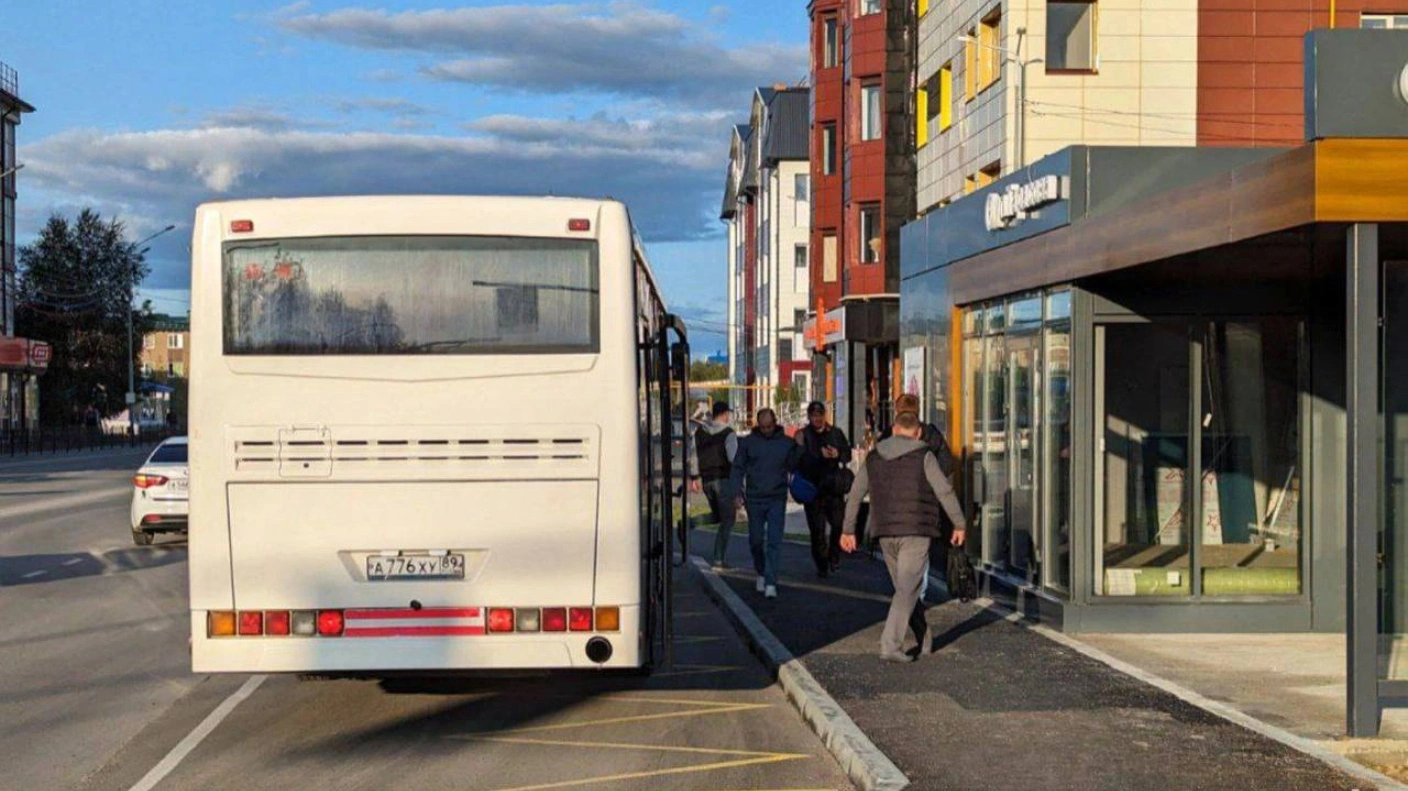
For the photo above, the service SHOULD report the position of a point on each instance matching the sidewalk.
(999, 706)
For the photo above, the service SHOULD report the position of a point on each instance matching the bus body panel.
(437, 396)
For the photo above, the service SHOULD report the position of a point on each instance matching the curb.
(1300, 744)
(859, 757)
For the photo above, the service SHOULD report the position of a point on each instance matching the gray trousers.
(907, 558)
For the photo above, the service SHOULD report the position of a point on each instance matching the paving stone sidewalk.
(998, 706)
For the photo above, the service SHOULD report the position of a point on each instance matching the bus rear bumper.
(512, 651)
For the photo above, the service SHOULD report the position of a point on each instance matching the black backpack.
(962, 582)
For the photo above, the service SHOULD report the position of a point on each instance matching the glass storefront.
(1198, 476)
(1016, 357)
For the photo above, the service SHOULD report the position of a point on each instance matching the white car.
(160, 494)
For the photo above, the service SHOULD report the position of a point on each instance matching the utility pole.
(131, 398)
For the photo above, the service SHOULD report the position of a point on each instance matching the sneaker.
(770, 592)
(759, 584)
(896, 657)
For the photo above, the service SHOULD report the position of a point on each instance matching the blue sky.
(147, 107)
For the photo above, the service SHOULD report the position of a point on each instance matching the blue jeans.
(766, 519)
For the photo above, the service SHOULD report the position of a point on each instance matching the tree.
(75, 292)
(705, 371)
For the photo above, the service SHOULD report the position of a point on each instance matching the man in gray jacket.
(907, 491)
(715, 447)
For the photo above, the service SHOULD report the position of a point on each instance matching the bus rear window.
(404, 295)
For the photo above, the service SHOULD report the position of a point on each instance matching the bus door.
(664, 368)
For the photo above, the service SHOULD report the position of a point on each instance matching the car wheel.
(142, 538)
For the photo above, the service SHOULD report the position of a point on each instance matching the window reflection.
(411, 295)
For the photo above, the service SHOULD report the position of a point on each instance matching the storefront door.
(1023, 354)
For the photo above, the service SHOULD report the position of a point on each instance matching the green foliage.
(74, 292)
(788, 394)
(705, 371)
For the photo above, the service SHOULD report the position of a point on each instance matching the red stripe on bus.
(429, 612)
(414, 631)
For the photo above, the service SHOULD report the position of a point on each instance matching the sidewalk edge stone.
(1237, 717)
(871, 769)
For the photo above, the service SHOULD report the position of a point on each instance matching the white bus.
(429, 433)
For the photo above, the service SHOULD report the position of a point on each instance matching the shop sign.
(1009, 206)
(22, 354)
(825, 329)
(39, 355)
(914, 373)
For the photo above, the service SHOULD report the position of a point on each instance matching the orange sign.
(824, 326)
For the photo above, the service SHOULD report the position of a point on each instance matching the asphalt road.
(95, 690)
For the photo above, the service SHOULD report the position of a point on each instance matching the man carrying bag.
(907, 492)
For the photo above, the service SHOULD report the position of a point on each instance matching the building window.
(921, 115)
(828, 149)
(149, 342)
(175, 340)
(829, 269)
(869, 7)
(870, 234)
(1384, 21)
(830, 43)
(802, 200)
(941, 98)
(970, 184)
(1070, 36)
(800, 266)
(990, 50)
(870, 113)
(921, 7)
(989, 174)
(970, 64)
(799, 320)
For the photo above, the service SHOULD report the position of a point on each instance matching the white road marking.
(31, 575)
(193, 739)
(73, 561)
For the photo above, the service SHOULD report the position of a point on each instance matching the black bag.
(845, 479)
(962, 582)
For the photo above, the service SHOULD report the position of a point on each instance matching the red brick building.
(862, 161)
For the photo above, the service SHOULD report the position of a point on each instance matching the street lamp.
(136, 250)
(1010, 57)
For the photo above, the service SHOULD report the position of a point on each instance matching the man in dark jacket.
(907, 492)
(825, 452)
(715, 447)
(765, 461)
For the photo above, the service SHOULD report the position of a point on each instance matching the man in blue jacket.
(761, 472)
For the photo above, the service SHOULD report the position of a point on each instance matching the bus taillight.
(220, 624)
(304, 623)
(500, 619)
(579, 225)
(554, 619)
(276, 623)
(330, 623)
(608, 619)
(579, 619)
(251, 624)
(241, 226)
(527, 619)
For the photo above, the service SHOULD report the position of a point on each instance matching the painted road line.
(73, 561)
(1298, 743)
(193, 739)
(31, 575)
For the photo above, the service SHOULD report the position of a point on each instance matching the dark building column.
(1364, 510)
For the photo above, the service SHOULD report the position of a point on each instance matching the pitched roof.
(738, 144)
(789, 126)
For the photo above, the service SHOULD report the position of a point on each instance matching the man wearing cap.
(715, 446)
(907, 492)
(825, 454)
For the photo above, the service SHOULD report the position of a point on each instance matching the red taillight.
(330, 623)
(500, 619)
(241, 226)
(276, 622)
(554, 619)
(579, 224)
(580, 619)
(251, 624)
(144, 481)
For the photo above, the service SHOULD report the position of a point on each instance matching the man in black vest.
(825, 452)
(715, 446)
(907, 493)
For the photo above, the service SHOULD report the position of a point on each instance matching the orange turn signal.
(608, 619)
(220, 624)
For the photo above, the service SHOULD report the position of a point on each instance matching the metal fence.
(73, 439)
(9, 80)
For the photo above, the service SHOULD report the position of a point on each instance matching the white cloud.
(619, 48)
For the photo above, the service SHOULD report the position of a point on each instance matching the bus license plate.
(415, 567)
